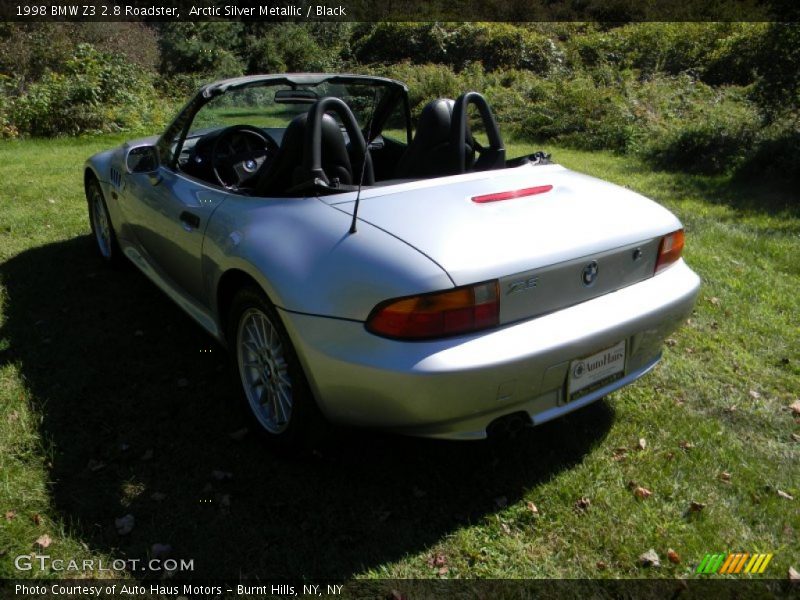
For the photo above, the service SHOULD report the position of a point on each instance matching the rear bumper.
(455, 388)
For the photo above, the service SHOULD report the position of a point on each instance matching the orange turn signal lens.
(439, 314)
(670, 249)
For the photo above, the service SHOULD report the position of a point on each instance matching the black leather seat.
(285, 171)
(431, 152)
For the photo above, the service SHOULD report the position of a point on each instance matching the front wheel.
(275, 390)
(104, 236)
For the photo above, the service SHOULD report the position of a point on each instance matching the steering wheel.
(239, 153)
(493, 157)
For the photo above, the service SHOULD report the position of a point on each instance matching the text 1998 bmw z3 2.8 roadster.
(420, 283)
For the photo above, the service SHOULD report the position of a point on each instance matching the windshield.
(274, 106)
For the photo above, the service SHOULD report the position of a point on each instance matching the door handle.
(190, 220)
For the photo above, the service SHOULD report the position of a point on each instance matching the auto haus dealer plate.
(593, 372)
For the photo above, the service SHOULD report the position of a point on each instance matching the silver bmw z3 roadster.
(365, 273)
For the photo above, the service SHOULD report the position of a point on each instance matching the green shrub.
(209, 48)
(709, 137)
(775, 158)
(494, 45)
(95, 92)
(719, 53)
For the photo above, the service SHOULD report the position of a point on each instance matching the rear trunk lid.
(538, 246)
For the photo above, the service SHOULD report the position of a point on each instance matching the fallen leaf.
(583, 503)
(43, 541)
(642, 444)
(619, 454)
(37, 519)
(696, 506)
(796, 437)
(670, 341)
(532, 507)
(725, 476)
(506, 529)
(239, 434)
(650, 559)
(795, 406)
(160, 550)
(793, 574)
(673, 556)
(641, 492)
(221, 475)
(10, 515)
(124, 524)
(686, 445)
(601, 565)
(437, 560)
(784, 495)
(500, 501)
(158, 496)
(754, 394)
(731, 409)
(714, 300)
(95, 465)
(148, 454)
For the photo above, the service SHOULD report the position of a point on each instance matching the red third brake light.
(439, 314)
(669, 251)
(531, 191)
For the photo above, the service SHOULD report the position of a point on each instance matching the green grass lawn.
(112, 402)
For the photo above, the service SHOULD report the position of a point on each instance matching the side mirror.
(142, 159)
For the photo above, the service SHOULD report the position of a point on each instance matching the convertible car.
(365, 273)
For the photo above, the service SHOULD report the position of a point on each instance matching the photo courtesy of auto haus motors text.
(183, 590)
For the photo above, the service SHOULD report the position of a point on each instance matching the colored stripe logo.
(733, 564)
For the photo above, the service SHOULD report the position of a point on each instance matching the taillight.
(439, 314)
(669, 251)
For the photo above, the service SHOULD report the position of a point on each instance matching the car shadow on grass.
(137, 404)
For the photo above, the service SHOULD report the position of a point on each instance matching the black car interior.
(323, 150)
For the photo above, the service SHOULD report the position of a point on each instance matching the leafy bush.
(95, 92)
(776, 157)
(208, 48)
(709, 136)
(494, 45)
(270, 48)
(718, 53)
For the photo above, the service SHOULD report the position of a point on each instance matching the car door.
(169, 213)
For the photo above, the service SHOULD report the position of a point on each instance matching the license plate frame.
(596, 370)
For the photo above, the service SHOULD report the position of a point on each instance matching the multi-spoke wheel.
(264, 371)
(104, 236)
(272, 380)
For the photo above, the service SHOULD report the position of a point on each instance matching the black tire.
(105, 239)
(265, 403)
